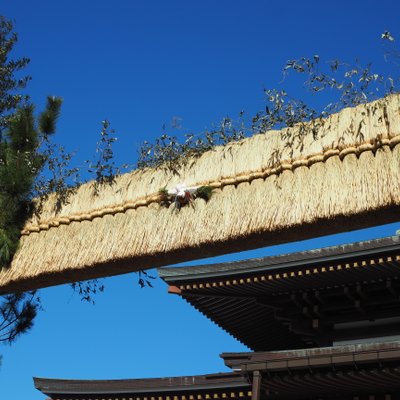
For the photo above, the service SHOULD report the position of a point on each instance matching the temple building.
(321, 324)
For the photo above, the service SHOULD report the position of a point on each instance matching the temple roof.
(340, 372)
(356, 355)
(222, 383)
(303, 299)
(309, 258)
(367, 371)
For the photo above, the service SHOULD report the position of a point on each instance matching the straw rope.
(218, 184)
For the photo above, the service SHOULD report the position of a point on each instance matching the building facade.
(322, 324)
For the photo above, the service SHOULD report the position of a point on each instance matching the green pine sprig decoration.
(204, 192)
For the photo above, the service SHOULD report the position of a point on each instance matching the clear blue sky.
(139, 64)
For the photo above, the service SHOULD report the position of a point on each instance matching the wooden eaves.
(344, 372)
(360, 371)
(299, 300)
(222, 386)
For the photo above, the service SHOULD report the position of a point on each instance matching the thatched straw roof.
(327, 176)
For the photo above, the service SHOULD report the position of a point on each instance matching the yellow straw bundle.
(329, 175)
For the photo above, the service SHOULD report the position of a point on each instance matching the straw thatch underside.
(327, 176)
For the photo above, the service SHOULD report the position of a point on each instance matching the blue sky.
(139, 64)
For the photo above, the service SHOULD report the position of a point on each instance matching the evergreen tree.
(20, 163)
(21, 160)
(26, 151)
(10, 85)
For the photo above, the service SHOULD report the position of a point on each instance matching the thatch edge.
(309, 230)
(277, 169)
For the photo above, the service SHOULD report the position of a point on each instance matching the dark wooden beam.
(332, 299)
(360, 292)
(392, 289)
(308, 298)
(256, 387)
(341, 315)
(315, 331)
(388, 329)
